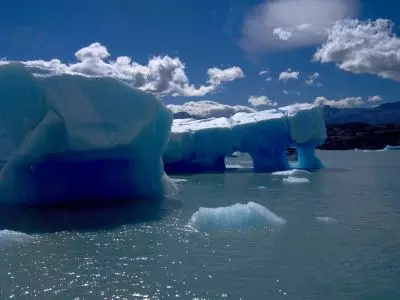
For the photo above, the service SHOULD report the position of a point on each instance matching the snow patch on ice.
(236, 216)
(295, 180)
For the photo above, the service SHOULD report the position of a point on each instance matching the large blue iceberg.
(69, 138)
(73, 138)
(199, 145)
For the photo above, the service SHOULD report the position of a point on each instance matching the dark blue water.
(147, 252)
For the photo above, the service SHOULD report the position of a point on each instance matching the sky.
(343, 53)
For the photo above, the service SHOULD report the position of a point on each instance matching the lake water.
(149, 252)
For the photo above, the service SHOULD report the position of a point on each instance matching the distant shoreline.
(350, 136)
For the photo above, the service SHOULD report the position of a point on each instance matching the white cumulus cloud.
(263, 72)
(286, 24)
(217, 76)
(348, 102)
(363, 47)
(261, 102)
(311, 81)
(162, 75)
(289, 74)
(286, 92)
(375, 99)
(282, 34)
(208, 109)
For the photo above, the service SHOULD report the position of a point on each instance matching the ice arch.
(201, 145)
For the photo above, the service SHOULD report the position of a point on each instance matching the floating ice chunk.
(328, 220)
(236, 216)
(262, 187)
(9, 236)
(234, 167)
(294, 180)
(178, 180)
(294, 173)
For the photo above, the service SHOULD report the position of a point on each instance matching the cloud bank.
(363, 47)
(348, 102)
(261, 102)
(289, 74)
(208, 109)
(311, 81)
(163, 75)
(375, 99)
(286, 24)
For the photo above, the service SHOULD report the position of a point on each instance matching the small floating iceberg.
(236, 216)
(295, 180)
(234, 166)
(176, 180)
(327, 220)
(293, 173)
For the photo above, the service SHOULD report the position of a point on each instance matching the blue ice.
(236, 216)
(71, 138)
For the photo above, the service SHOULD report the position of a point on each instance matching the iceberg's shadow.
(84, 218)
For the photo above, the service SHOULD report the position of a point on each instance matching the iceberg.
(202, 144)
(236, 216)
(68, 138)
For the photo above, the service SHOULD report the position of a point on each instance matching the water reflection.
(84, 217)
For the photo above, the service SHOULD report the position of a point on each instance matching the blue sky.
(203, 34)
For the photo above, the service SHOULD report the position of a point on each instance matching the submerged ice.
(236, 216)
(202, 144)
(70, 138)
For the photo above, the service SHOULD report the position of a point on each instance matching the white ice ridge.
(70, 138)
(236, 216)
(197, 145)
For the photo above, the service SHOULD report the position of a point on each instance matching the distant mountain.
(388, 113)
(361, 136)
